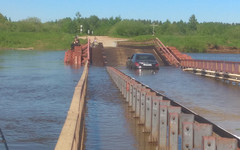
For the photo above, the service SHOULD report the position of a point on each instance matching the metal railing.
(218, 66)
(72, 134)
(171, 59)
(171, 125)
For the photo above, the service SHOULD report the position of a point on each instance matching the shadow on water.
(144, 72)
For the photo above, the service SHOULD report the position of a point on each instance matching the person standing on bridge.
(72, 45)
(75, 43)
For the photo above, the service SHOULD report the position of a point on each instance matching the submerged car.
(142, 61)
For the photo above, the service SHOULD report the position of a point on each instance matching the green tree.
(78, 15)
(182, 27)
(93, 22)
(192, 23)
(3, 19)
(132, 28)
(68, 25)
(31, 24)
(165, 27)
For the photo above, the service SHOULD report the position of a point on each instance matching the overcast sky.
(227, 11)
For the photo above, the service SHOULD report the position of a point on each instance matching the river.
(36, 90)
(35, 94)
(213, 99)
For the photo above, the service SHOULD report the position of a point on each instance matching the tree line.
(119, 26)
(116, 26)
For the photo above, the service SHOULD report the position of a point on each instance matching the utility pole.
(153, 32)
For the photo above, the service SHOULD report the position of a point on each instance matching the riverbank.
(209, 49)
(62, 41)
(223, 49)
(36, 41)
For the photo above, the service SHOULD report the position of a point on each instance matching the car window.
(145, 57)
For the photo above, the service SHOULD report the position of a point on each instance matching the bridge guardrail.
(72, 134)
(218, 66)
(168, 121)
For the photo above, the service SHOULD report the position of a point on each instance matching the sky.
(226, 11)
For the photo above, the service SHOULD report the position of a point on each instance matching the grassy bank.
(36, 40)
(190, 36)
(193, 43)
(62, 41)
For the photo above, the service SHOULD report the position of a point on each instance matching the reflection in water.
(144, 72)
(74, 67)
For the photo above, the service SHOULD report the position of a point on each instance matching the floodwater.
(109, 124)
(35, 94)
(220, 57)
(213, 99)
(36, 89)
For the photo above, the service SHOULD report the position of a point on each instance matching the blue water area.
(106, 125)
(219, 57)
(213, 99)
(36, 89)
(109, 123)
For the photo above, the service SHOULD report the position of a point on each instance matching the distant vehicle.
(142, 61)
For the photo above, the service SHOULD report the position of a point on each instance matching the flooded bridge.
(112, 108)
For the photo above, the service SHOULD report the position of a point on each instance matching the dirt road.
(105, 40)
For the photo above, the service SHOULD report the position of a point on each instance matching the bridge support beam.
(201, 130)
(143, 106)
(173, 131)
(148, 117)
(162, 140)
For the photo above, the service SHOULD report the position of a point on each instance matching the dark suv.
(142, 61)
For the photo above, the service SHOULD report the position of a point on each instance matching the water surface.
(220, 57)
(109, 124)
(36, 89)
(213, 99)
